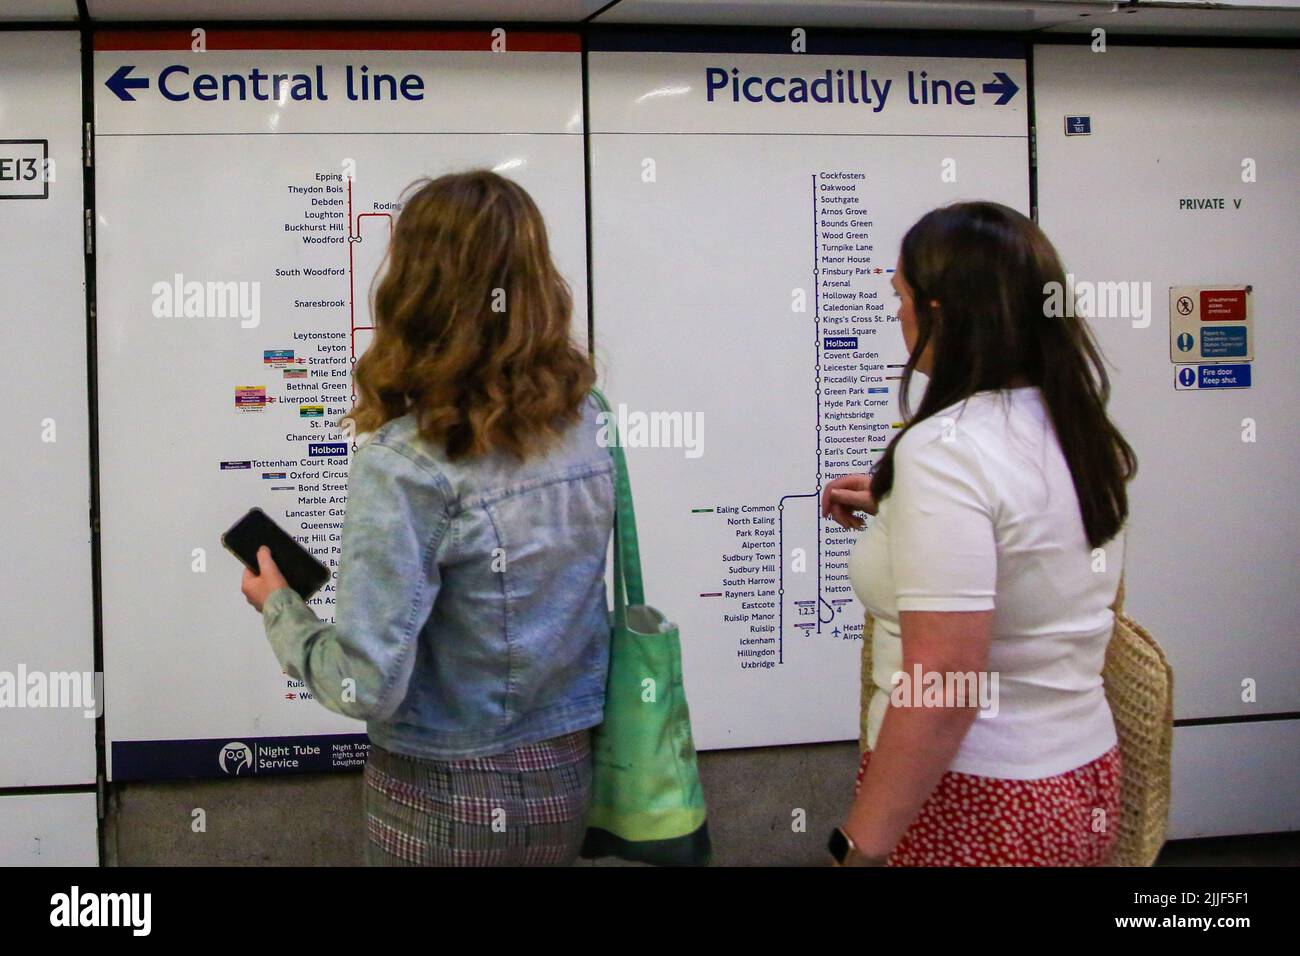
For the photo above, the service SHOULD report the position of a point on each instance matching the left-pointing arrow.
(122, 83)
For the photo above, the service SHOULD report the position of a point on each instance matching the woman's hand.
(845, 495)
(258, 587)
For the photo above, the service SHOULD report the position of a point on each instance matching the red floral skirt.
(1065, 820)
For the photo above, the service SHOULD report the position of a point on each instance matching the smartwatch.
(841, 846)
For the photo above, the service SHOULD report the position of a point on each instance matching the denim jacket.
(471, 613)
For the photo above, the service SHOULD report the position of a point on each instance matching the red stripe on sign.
(517, 41)
(1226, 305)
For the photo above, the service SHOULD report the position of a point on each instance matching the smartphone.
(300, 568)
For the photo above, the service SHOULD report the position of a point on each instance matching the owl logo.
(235, 757)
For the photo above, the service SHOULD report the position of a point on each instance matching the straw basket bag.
(1140, 690)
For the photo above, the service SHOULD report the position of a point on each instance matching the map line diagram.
(824, 611)
(354, 235)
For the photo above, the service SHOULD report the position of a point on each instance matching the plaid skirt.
(526, 807)
(1066, 820)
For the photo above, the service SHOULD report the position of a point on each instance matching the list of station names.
(302, 379)
(763, 597)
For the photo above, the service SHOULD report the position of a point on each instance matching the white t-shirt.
(983, 515)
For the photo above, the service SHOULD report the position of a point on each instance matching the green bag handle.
(628, 587)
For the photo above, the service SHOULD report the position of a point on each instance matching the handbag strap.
(628, 587)
(1118, 604)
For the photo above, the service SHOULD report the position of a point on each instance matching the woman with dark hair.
(472, 630)
(990, 566)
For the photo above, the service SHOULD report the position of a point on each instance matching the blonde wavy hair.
(472, 324)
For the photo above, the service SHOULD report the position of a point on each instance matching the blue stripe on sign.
(238, 756)
(1223, 376)
(1223, 341)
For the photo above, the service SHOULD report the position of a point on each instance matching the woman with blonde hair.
(472, 631)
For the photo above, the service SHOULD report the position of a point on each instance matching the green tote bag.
(647, 802)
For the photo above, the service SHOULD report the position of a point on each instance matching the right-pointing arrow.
(122, 83)
(1004, 85)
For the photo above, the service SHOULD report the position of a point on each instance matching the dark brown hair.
(472, 324)
(989, 268)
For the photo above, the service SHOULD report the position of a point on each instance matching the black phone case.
(296, 565)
